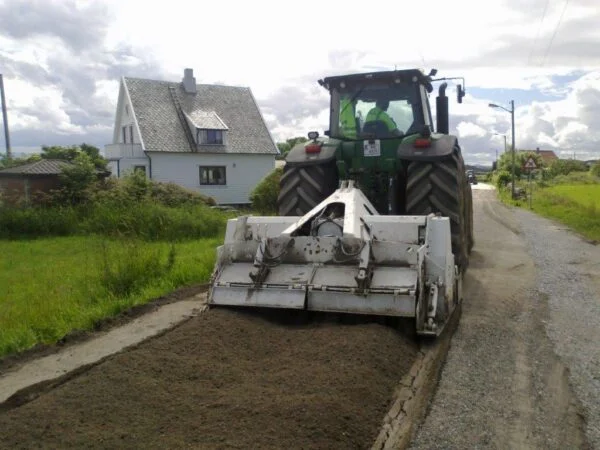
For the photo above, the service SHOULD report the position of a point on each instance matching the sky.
(62, 61)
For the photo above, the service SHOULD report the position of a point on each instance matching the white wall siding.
(112, 166)
(126, 165)
(127, 120)
(243, 173)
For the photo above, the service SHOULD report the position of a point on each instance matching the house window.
(126, 110)
(140, 169)
(124, 129)
(214, 137)
(213, 175)
(131, 133)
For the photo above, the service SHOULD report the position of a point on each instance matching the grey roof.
(162, 130)
(207, 119)
(42, 167)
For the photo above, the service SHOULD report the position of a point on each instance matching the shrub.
(503, 178)
(264, 195)
(595, 170)
(171, 194)
(135, 187)
(566, 166)
(133, 206)
(114, 215)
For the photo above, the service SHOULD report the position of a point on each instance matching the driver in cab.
(379, 114)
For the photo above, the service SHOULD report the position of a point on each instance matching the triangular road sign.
(530, 164)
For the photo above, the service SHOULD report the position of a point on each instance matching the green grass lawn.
(575, 205)
(51, 286)
(586, 195)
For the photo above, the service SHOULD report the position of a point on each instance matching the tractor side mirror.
(460, 93)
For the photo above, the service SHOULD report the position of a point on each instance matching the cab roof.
(405, 76)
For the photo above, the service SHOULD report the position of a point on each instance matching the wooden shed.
(19, 184)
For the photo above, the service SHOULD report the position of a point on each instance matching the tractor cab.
(383, 105)
(380, 105)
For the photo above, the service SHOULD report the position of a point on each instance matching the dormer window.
(207, 127)
(213, 137)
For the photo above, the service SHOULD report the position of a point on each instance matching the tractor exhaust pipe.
(441, 103)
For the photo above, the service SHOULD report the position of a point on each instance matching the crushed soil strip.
(227, 379)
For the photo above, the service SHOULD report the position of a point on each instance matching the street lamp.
(512, 116)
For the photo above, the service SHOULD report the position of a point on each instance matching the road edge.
(412, 396)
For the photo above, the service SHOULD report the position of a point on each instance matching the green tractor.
(403, 165)
(374, 219)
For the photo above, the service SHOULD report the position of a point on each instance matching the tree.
(70, 153)
(59, 152)
(13, 162)
(285, 147)
(566, 166)
(505, 161)
(264, 195)
(77, 179)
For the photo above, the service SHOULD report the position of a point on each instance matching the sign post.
(529, 166)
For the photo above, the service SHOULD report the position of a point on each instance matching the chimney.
(189, 82)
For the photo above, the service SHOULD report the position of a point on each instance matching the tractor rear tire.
(303, 188)
(440, 187)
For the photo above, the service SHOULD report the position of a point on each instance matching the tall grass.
(575, 203)
(145, 220)
(51, 286)
(33, 222)
(577, 206)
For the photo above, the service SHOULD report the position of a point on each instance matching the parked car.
(471, 178)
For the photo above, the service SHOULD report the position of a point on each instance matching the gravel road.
(506, 379)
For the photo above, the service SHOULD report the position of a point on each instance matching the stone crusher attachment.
(344, 257)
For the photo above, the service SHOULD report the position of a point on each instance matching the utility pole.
(5, 119)
(512, 116)
(512, 119)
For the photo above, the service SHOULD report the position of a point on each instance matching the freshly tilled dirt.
(227, 379)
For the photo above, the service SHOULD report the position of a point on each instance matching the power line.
(538, 32)
(555, 31)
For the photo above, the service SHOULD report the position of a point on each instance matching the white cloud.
(468, 129)
(66, 57)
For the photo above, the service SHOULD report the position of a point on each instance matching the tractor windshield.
(380, 111)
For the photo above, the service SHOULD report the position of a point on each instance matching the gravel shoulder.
(568, 269)
(502, 386)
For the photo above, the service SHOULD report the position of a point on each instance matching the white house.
(209, 138)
